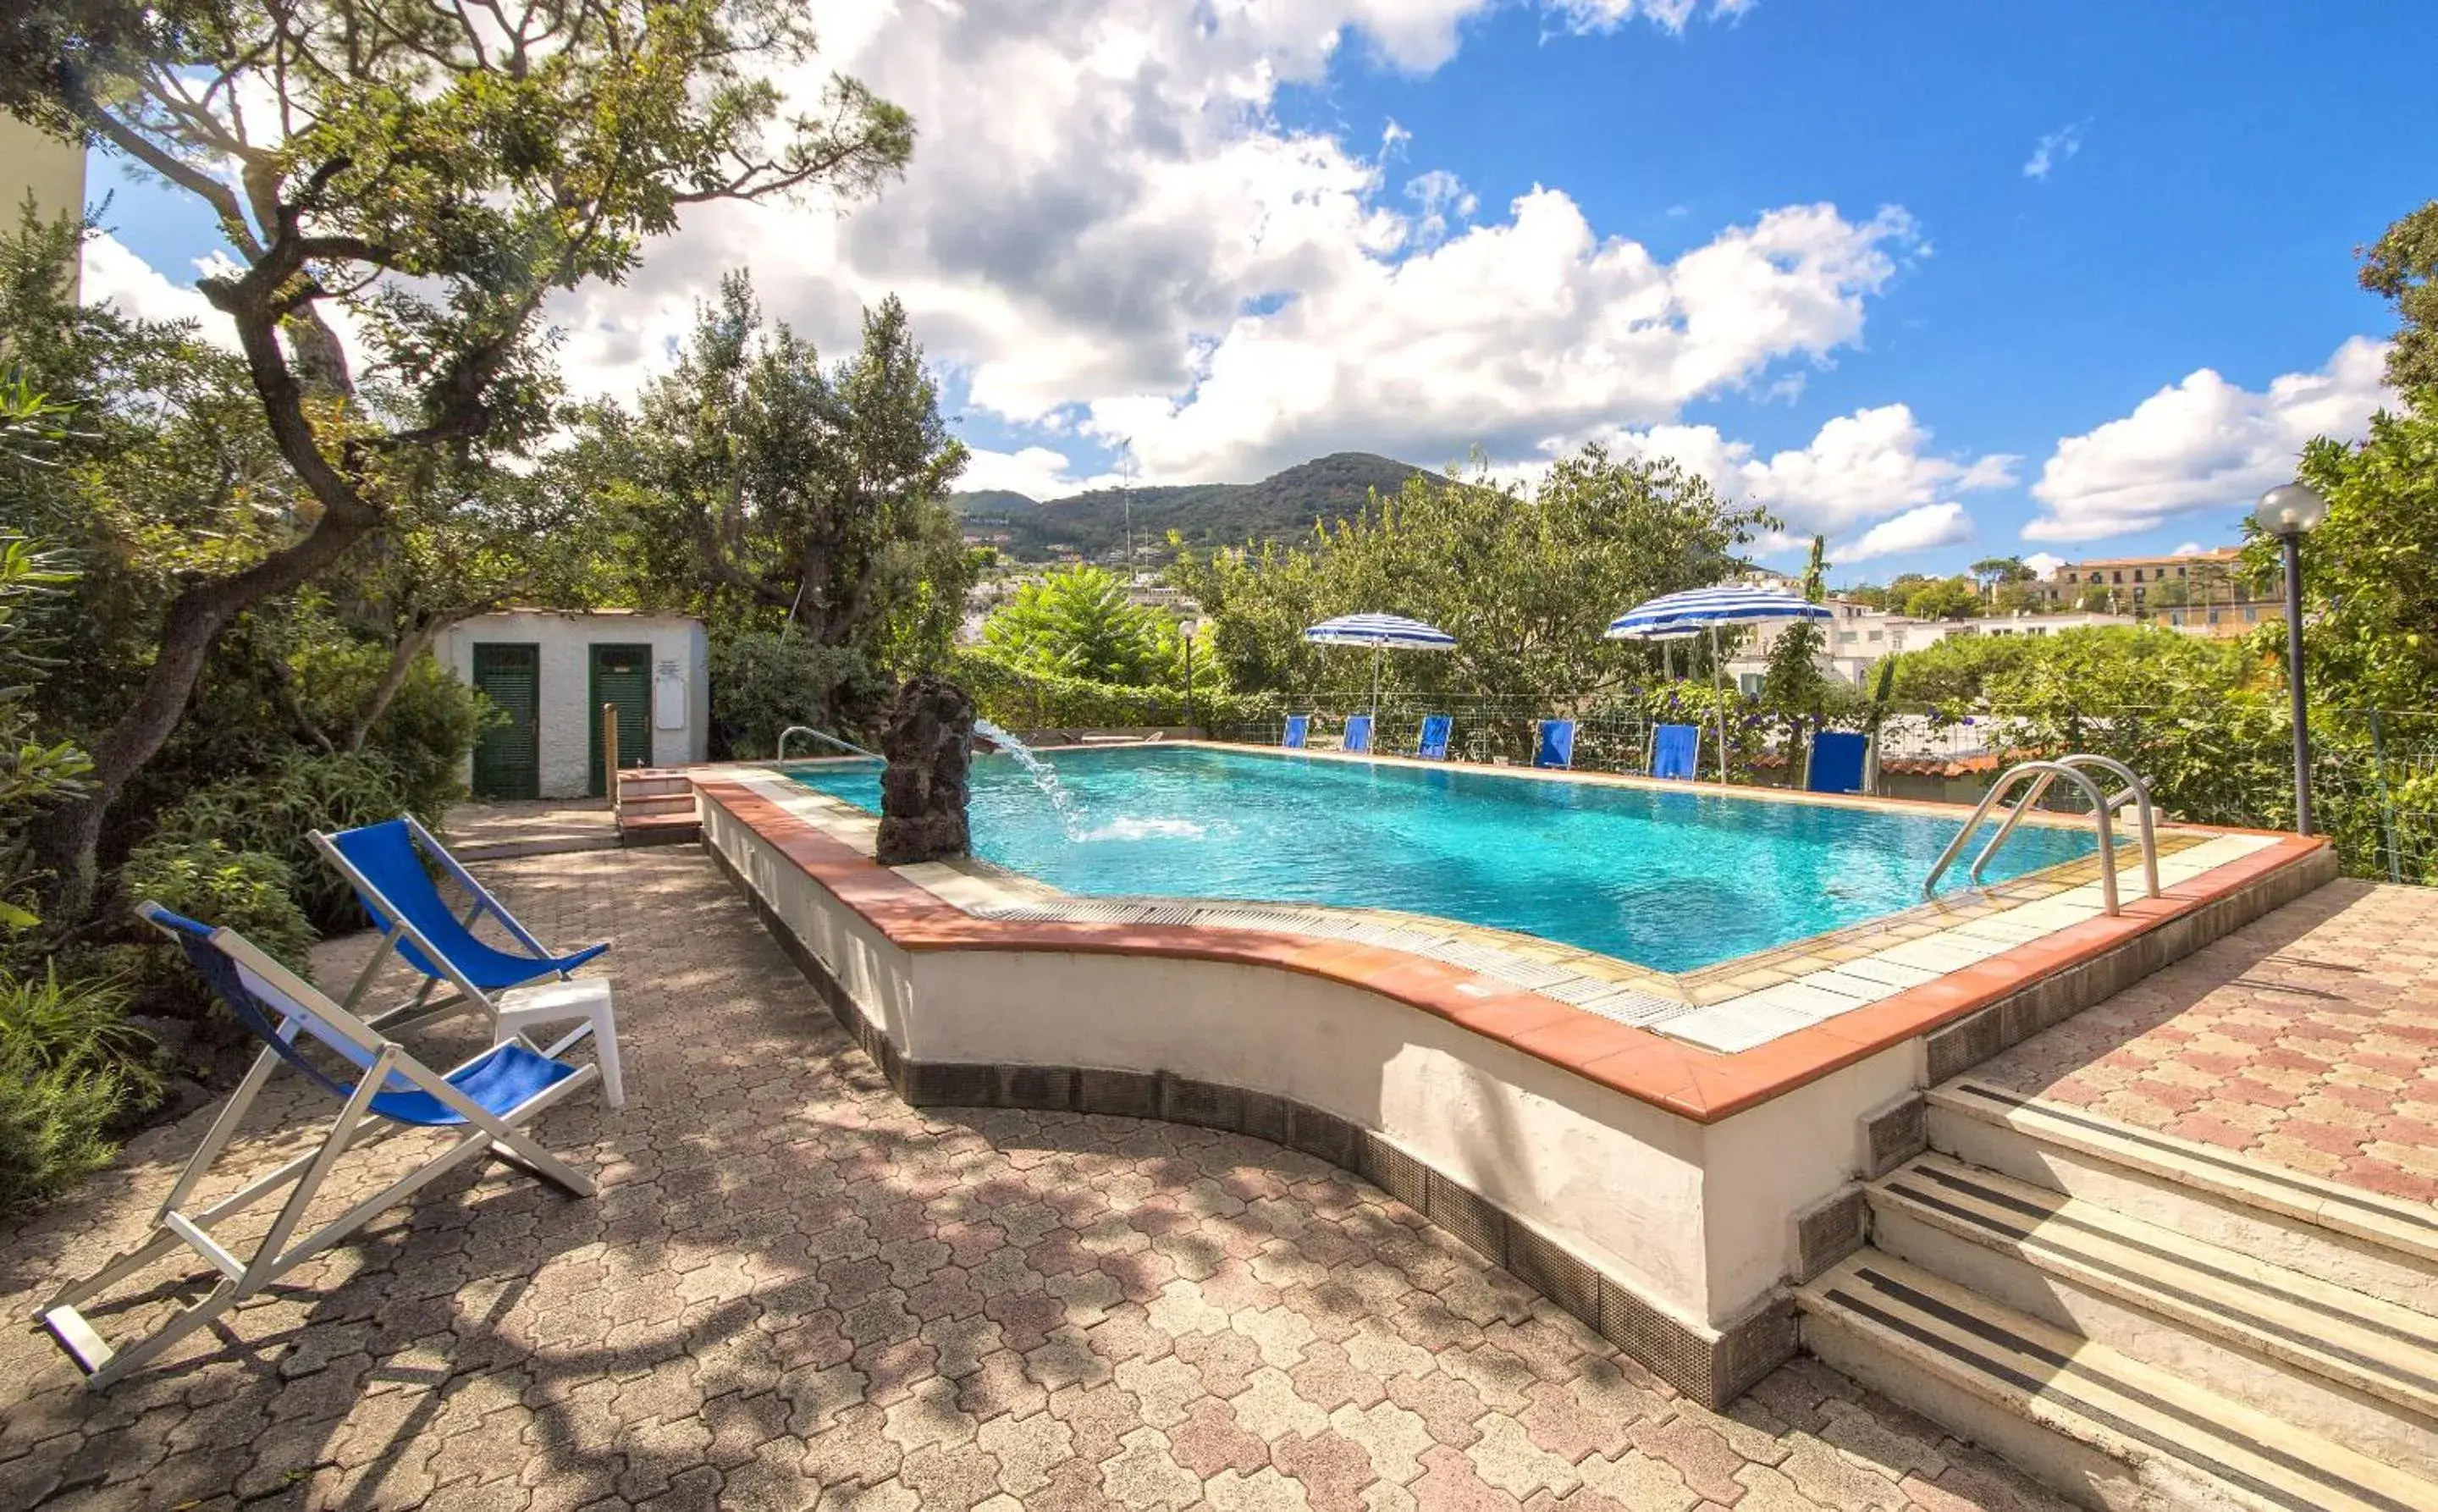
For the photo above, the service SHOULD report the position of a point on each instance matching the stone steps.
(656, 807)
(2325, 1359)
(2380, 1246)
(2109, 1429)
(2143, 1321)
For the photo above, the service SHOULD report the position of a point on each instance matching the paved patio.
(530, 826)
(2308, 1039)
(794, 1291)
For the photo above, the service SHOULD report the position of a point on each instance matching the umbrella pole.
(1718, 687)
(1378, 649)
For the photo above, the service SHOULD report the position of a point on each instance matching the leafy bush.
(70, 1066)
(1025, 699)
(764, 681)
(244, 890)
(1080, 623)
(273, 813)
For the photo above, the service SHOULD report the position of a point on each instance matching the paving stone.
(795, 1292)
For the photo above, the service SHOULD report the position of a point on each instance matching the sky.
(1938, 281)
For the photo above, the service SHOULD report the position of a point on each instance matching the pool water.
(1671, 880)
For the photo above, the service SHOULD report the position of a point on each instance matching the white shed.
(552, 671)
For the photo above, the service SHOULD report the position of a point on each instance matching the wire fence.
(2373, 772)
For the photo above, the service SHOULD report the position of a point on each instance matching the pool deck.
(794, 1291)
(2308, 1040)
(1704, 1045)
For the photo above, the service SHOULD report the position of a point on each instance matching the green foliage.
(425, 731)
(273, 812)
(1024, 700)
(2370, 571)
(764, 681)
(1943, 598)
(70, 1067)
(1079, 624)
(1793, 686)
(758, 487)
(34, 771)
(2403, 265)
(1955, 674)
(1527, 584)
(244, 890)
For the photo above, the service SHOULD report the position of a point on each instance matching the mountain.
(1281, 507)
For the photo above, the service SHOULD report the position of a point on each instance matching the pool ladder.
(2040, 774)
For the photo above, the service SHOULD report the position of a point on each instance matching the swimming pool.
(1672, 880)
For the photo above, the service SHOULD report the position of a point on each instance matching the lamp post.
(1188, 627)
(2286, 511)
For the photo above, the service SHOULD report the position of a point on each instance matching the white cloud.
(2054, 149)
(1036, 471)
(1439, 196)
(1146, 250)
(1607, 15)
(2202, 444)
(2190, 548)
(2044, 562)
(1919, 530)
(114, 274)
(1859, 469)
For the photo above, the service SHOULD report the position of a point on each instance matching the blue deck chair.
(385, 863)
(1553, 744)
(1837, 761)
(379, 1088)
(1299, 727)
(1358, 735)
(1676, 751)
(1434, 743)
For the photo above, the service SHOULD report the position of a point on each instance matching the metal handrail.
(2136, 792)
(822, 735)
(2043, 774)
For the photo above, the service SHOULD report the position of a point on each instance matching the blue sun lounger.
(1298, 728)
(1838, 758)
(1676, 751)
(1358, 735)
(1553, 744)
(389, 866)
(379, 1088)
(1434, 743)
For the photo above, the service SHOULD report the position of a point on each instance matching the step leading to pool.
(2109, 1429)
(2364, 1241)
(2143, 1321)
(2324, 1357)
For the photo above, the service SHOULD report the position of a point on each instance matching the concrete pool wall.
(1664, 1193)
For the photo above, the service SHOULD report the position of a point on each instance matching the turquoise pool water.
(1671, 881)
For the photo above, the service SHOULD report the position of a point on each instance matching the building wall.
(679, 645)
(50, 168)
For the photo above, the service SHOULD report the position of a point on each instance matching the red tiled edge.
(1681, 1078)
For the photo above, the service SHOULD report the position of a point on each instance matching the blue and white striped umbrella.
(1727, 604)
(1381, 630)
(1671, 616)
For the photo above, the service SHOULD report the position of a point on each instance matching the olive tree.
(435, 171)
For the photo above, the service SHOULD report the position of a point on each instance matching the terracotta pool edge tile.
(1679, 1078)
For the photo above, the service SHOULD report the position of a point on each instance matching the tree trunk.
(68, 835)
(401, 661)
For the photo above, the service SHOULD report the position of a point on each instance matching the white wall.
(678, 643)
(1696, 1221)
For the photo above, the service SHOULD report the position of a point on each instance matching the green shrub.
(764, 681)
(70, 1067)
(273, 812)
(244, 890)
(1023, 700)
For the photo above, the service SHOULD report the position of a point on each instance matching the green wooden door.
(507, 761)
(622, 675)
